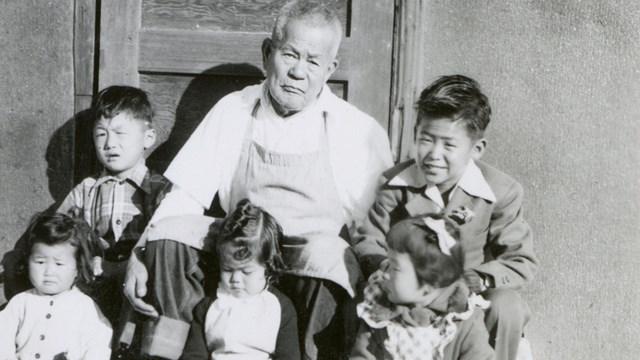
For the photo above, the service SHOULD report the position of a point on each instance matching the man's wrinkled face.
(299, 65)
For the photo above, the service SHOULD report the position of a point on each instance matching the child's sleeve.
(287, 343)
(196, 345)
(10, 318)
(160, 186)
(510, 241)
(97, 335)
(369, 242)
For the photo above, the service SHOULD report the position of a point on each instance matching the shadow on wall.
(202, 93)
(71, 156)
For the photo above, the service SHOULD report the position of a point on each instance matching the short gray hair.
(317, 13)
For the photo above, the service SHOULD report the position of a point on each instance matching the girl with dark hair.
(246, 317)
(55, 320)
(419, 306)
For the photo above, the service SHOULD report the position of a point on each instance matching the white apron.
(299, 191)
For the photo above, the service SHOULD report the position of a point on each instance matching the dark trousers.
(327, 320)
(176, 284)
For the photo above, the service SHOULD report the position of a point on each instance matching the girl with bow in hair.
(245, 317)
(418, 306)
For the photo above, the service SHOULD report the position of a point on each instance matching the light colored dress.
(36, 326)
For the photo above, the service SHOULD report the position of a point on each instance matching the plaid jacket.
(118, 210)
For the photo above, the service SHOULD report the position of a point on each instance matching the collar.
(139, 177)
(472, 182)
(61, 295)
(225, 300)
(376, 309)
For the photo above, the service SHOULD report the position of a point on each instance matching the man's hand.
(135, 286)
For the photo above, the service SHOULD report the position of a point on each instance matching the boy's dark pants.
(505, 321)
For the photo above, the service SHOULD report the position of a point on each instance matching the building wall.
(564, 83)
(563, 78)
(36, 95)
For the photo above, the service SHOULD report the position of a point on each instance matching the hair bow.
(445, 241)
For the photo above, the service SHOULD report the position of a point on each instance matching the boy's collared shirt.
(472, 182)
(497, 241)
(118, 210)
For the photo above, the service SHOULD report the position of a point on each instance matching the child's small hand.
(96, 265)
(475, 283)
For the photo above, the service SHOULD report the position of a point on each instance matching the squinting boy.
(119, 201)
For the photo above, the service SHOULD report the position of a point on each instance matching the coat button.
(41, 337)
(48, 316)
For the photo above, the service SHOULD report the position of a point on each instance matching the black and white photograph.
(319, 179)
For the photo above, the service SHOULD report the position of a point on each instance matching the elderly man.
(293, 148)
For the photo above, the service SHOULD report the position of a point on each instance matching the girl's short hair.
(250, 232)
(60, 229)
(433, 267)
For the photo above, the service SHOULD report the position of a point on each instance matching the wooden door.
(187, 54)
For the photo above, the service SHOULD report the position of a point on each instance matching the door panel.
(222, 15)
(189, 54)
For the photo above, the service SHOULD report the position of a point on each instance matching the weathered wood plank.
(408, 75)
(73, 135)
(220, 15)
(119, 26)
(84, 41)
(193, 52)
(372, 35)
(180, 103)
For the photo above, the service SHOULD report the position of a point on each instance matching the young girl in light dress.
(419, 307)
(246, 317)
(55, 320)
